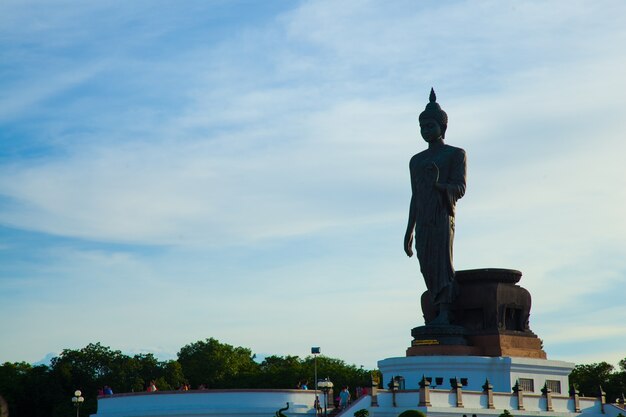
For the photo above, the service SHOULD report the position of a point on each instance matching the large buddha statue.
(437, 182)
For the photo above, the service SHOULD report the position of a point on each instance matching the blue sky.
(172, 171)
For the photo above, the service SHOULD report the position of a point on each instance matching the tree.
(29, 390)
(281, 372)
(287, 371)
(589, 378)
(34, 391)
(4, 407)
(143, 368)
(617, 382)
(218, 365)
(12, 376)
(412, 413)
(94, 366)
(89, 369)
(339, 372)
(172, 374)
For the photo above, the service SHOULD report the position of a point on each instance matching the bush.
(361, 413)
(412, 413)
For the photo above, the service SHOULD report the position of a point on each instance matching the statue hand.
(408, 243)
(432, 172)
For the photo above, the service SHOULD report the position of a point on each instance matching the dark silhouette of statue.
(479, 312)
(437, 182)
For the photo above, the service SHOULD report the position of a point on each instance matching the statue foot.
(443, 317)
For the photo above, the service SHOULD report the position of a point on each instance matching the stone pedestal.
(519, 345)
(490, 317)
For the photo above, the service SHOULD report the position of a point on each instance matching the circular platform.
(509, 276)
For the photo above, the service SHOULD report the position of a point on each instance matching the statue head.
(433, 112)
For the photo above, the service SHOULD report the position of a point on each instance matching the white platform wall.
(207, 403)
(502, 372)
(256, 403)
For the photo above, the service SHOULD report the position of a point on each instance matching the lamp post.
(78, 400)
(326, 385)
(315, 350)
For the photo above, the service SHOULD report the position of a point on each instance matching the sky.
(173, 171)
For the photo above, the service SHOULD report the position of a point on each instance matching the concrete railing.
(256, 403)
(476, 402)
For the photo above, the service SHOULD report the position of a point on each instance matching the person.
(108, 390)
(152, 387)
(305, 385)
(317, 405)
(344, 398)
(437, 182)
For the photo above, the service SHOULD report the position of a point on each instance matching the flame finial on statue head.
(433, 111)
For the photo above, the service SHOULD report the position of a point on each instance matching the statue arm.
(410, 227)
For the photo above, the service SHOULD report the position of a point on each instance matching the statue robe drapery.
(434, 214)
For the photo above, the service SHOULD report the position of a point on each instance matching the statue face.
(430, 130)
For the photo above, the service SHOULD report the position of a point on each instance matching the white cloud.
(262, 140)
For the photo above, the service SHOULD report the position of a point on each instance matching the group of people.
(344, 397)
(341, 401)
(106, 390)
(151, 387)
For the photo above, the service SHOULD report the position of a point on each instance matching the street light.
(78, 400)
(325, 385)
(315, 350)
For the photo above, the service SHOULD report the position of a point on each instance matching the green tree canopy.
(30, 390)
(217, 365)
(282, 372)
(341, 373)
(412, 413)
(33, 391)
(589, 378)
